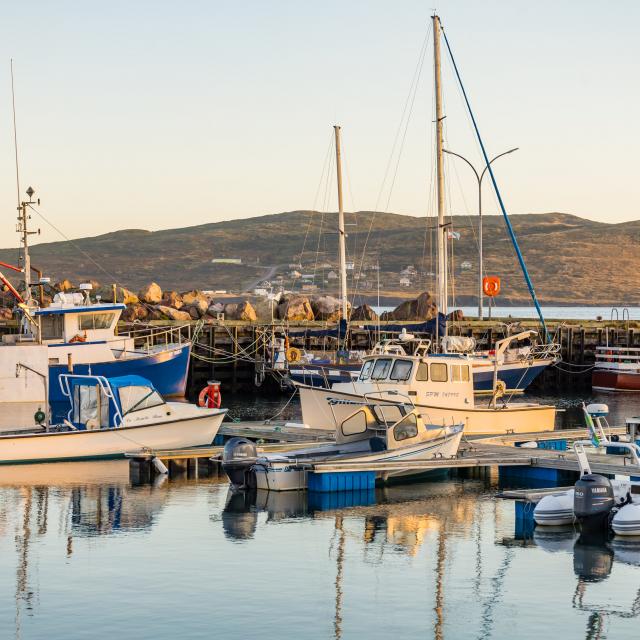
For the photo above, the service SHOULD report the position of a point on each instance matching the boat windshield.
(401, 370)
(136, 398)
(366, 370)
(381, 369)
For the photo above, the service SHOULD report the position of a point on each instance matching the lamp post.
(479, 177)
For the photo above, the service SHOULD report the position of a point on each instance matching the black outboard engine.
(238, 457)
(592, 502)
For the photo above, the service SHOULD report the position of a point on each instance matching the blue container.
(341, 481)
(553, 445)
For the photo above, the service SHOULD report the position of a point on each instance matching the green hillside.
(571, 260)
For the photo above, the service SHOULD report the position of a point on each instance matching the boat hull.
(110, 443)
(328, 408)
(167, 370)
(615, 380)
(283, 476)
(516, 375)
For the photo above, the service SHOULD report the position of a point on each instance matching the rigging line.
(15, 134)
(75, 246)
(409, 103)
(414, 80)
(315, 201)
(512, 234)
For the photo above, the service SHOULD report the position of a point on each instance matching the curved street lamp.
(479, 177)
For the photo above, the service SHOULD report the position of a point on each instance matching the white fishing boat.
(112, 417)
(439, 385)
(368, 437)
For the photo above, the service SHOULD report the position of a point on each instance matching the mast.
(23, 230)
(442, 230)
(342, 252)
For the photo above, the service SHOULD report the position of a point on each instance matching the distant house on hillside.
(405, 282)
(227, 261)
(295, 274)
(466, 265)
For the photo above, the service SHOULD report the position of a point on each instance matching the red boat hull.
(612, 380)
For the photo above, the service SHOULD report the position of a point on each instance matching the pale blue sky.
(162, 114)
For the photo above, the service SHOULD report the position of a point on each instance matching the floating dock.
(545, 463)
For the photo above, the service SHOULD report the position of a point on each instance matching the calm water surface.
(85, 554)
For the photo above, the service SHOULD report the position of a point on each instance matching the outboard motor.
(238, 457)
(592, 501)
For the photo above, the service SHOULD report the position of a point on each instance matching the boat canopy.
(63, 310)
(101, 403)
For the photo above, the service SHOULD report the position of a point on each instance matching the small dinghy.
(596, 502)
(373, 434)
(112, 417)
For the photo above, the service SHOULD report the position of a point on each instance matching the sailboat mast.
(342, 252)
(442, 230)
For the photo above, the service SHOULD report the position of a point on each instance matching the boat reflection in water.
(76, 499)
(595, 558)
(401, 519)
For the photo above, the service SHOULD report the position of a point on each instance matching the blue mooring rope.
(495, 186)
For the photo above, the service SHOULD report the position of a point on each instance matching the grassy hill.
(571, 260)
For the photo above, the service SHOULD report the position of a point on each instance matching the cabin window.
(381, 369)
(95, 320)
(366, 370)
(357, 423)
(52, 327)
(459, 373)
(406, 428)
(439, 372)
(422, 374)
(136, 398)
(401, 370)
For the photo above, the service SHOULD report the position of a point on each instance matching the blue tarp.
(429, 326)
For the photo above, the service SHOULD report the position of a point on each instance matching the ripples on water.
(84, 554)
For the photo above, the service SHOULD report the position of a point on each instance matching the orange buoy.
(491, 286)
(210, 396)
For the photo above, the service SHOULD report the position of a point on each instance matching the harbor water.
(84, 553)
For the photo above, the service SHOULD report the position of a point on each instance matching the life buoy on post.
(491, 286)
(210, 396)
(293, 354)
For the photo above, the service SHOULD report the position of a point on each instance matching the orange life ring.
(210, 396)
(491, 286)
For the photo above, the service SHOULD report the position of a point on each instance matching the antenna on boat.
(342, 252)
(23, 218)
(442, 228)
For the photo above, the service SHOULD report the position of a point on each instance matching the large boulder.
(189, 297)
(456, 315)
(151, 293)
(215, 308)
(172, 314)
(364, 312)
(122, 295)
(327, 308)
(135, 312)
(197, 309)
(172, 299)
(240, 311)
(424, 307)
(63, 285)
(5, 313)
(295, 308)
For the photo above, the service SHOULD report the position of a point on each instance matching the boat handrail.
(391, 392)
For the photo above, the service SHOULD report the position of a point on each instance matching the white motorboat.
(112, 417)
(596, 501)
(371, 435)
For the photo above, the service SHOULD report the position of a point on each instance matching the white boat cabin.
(435, 380)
